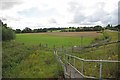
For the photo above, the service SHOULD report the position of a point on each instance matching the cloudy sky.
(58, 13)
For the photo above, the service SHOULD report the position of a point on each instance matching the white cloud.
(49, 13)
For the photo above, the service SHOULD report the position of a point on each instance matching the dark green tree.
(27, 30)
(18, 31)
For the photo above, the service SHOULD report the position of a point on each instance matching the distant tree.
(108, 26)
(77, 29)
(70, 27)
(97, 28)
(44, 30)
(117, 27)
(73, 27)
(35, 30)
(18, 31)
(27, 30)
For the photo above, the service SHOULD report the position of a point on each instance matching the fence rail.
(91, 60)
(67, 58)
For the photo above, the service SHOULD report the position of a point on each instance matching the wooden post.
(46, 45)
(82, 67)
(72, 48)
(70, 74)
(74, 62)
(100, 71)
(54, 47)
(62, 47)
(40, 44)
(104, 49)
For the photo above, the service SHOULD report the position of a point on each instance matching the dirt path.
(71, 72)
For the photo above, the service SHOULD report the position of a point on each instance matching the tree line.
(68, 29)
(110, 27)
(6, 32)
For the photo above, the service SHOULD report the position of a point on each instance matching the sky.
(19, 14)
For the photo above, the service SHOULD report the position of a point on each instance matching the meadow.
(105, 52)
(56, 39)
(33, 61)
(30, 55)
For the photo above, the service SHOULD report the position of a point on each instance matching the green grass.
(25, 58)
(23, 61)
(107, 52)
(51, 40)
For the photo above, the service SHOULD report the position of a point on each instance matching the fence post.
(82, 67)
(40, 44)
(62, 47)
(70, 73)
(72, 48)
(69, 59)
(66, 57)
(74, 62)
(54, 47)
(46, 46)
(100, 70)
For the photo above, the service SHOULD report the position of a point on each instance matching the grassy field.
(23, 61)
(57, 39)
(106, 52)
(26, 58)
(31, 55)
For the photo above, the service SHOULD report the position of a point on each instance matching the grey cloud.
(34, 11)
(114, 19)
(99, 15)
(76, 9)
(73, 6)
(53, 21)
(7, 4)
(9, 18)
(3, 19)
(78, 18)
(119, 12)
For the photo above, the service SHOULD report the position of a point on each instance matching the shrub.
(7, 33)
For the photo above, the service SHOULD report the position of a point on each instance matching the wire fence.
(96, 69)
(90, 68)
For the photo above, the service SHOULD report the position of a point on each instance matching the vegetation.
(7, 33)
(110, 27)
(51, 40)
(105, 52)
(25, 61)
(70, 29)
(31, 55)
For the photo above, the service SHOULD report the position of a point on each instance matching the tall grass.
(51, 40)
(23, 61)
(106, 52)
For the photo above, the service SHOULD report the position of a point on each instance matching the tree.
(7, 33)
(97, 28)
(27, 30)
(18, 31)
(108, 26)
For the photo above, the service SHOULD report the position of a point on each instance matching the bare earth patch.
(93, 34)
(76, 34)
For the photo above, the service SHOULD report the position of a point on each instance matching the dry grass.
(75, 34)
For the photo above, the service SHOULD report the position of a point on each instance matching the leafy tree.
(27, 30)
(97, 28)
(18, 31)
(7, 33)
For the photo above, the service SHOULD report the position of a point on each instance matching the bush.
(7, 33)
